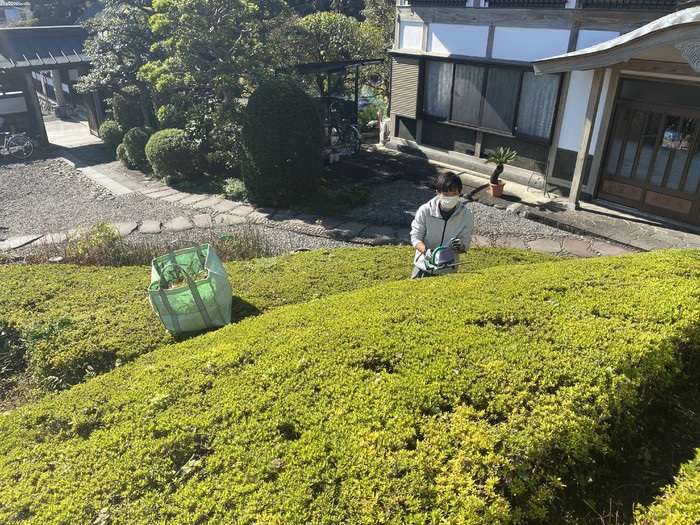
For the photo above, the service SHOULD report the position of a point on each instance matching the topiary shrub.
(135, 141)
(172, 155)
(282, 143)
(123, 157)
(111, 134)
(125, 109)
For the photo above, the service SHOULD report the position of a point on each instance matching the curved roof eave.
(668, 30)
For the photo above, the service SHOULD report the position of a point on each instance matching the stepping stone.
(284, 215)
(379, 233)
(349, 229)
(150, 226)
(16, 242)
(244, 210)
(178, 224)
(605, 249)
(545, 245)
(510, 241)
(403, 234)
(51, 238)
(208, 203)
(193, 198)
(578, 247)
(481, 240)
(125, 228)
(175, 197)
(203, 220)
(226, 205)
(161, 194)
(229, 220)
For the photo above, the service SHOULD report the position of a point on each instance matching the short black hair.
(448, 182)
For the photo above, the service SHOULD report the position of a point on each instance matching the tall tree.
(58, 12)
(120, 45)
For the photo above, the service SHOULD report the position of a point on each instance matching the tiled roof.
(35, 47)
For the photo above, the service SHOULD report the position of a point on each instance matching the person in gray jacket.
(443, 220)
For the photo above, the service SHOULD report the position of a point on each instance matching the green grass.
(497, 395)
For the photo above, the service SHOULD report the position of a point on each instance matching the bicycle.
(16, 144)
(343, 132)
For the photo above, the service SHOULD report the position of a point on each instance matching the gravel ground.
(47, 195)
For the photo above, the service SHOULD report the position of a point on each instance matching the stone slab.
(380, 233)
(227, 219)
(193, 199)
(226, 205)
(545, 245)
(203, 220)
(349, 229)
(511, 241)
(207, 203)
(161, 194)
(243, 210)
(176, 197)
(284, 215)
(403, 234)
(150, 226)
(481, 240)
(606, 249)
(578, 247)
(178, 224)
(125, 228)
(17, 242)
(51, 238)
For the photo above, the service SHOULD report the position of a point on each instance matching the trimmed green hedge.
(470, 398)
(80, 321)
(680, 503)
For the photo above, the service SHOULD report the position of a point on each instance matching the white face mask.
(449, 202)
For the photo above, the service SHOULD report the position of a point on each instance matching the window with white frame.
(489, 97)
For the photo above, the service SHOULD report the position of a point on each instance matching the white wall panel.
(575, 110)
(458, 39)
(411, 35)
(589, 37)
(527, 43)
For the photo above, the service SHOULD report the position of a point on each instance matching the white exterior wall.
(410, 35)
(458, 40)
(575, 110)
(527, 44)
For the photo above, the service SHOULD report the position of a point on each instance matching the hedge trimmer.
(440, 258)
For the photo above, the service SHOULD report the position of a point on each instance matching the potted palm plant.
(500, 157)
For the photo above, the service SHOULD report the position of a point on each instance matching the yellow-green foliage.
(470, 398)
(78, 321)
(680, 504)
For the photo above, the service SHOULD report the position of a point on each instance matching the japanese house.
(602, 96)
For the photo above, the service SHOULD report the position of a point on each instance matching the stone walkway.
(606, 231)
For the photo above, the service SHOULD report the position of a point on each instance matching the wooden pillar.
(58, 87)
(586, 138)
(34, 110)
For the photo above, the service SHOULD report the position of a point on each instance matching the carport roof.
(42, 47)
(679, 31)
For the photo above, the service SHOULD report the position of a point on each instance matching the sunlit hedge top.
(472, 398)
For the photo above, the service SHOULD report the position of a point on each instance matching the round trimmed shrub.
(123, 157)
(135, 141)
(282, 141)
(111, 134)
(172, 155)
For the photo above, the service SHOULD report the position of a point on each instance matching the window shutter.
(404, 86)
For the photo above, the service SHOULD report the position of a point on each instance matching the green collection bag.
(190, 290)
